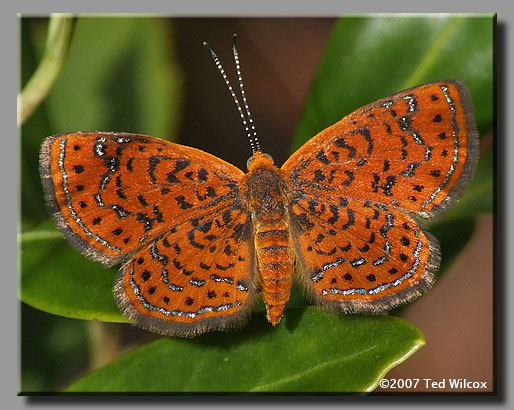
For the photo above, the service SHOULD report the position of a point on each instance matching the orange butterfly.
(198, 238)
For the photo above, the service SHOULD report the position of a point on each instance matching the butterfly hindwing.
(344, 246)
(196, 278)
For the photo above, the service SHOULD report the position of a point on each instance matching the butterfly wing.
(173, 212)
(415, 150)
(361, 256)
(197, 277)
(358, 185)
(111, 193)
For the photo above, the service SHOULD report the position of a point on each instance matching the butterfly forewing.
(415, 150)
(111, 192)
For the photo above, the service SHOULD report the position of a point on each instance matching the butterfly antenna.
(254, 142)
(253, 137)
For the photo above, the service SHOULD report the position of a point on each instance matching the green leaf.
(57, 279)
(368, 58)
(453, 235)
(120, 75)
(310, 351)
(478, 197)
(126, 83)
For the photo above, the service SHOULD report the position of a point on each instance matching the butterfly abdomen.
(272, 237)
(276, 267)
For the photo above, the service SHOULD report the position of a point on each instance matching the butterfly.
(199, 239)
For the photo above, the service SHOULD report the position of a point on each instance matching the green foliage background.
(121, 74)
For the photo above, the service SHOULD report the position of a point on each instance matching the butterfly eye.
(250, 160)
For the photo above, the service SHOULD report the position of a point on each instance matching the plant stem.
(104, 341)
(37, 88)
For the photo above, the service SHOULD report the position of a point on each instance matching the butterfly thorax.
(267, 202)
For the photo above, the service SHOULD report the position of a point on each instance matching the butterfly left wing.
(112, 193)
(196, 278)
(174, 214)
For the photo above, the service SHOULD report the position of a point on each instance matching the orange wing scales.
(112, 193)
(362, 256)
(415, 150)
(196, 235)
(199, 276)
(359, 184)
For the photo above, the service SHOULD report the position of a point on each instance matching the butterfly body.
(196, 236)
(268, 202)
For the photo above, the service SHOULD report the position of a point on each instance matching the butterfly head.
(258, 160)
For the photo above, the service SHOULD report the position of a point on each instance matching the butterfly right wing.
(356, 183)
(415, 150)
(360, 256)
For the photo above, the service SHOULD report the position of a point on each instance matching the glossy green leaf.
(120, 75)
(478, 197)
(308, 351)
(368, 58)
(453, 235)
(57, 279)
